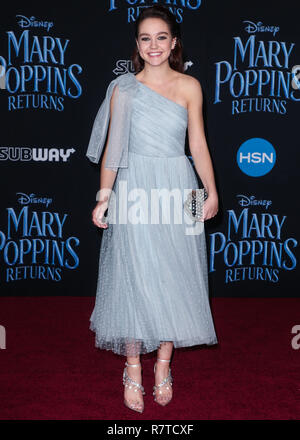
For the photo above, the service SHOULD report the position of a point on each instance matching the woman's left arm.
(198, 145)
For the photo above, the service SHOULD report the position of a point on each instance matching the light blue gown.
(153, 280)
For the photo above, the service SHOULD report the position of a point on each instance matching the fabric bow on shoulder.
(117, 147)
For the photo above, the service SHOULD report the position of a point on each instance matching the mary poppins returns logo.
(135, 7)
(260, 76)
(34, 70)
(34, 243)
(258, 243)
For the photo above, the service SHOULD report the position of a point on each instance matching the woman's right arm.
(107, 179)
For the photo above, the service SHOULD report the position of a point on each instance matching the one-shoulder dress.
(153, 280)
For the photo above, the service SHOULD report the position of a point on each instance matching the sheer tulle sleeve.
(117, 147)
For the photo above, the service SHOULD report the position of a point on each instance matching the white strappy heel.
(130, 383)
(168, 382)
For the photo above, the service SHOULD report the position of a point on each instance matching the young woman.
(152, 291)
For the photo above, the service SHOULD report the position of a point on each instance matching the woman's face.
(155, 41)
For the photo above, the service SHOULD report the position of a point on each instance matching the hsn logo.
(256, 157)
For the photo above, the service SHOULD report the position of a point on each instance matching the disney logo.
(251, 28)
(25, 22)
(26, 199)
(252, 201)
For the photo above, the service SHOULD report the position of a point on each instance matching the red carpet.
(51, 369)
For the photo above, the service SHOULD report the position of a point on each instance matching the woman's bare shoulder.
(190, 83)
(190, 88)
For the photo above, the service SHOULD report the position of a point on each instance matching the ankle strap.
(164, 360)
(132, 365)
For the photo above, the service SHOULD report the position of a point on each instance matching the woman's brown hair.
(175, 58)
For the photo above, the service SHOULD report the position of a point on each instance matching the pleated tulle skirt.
(152, 282)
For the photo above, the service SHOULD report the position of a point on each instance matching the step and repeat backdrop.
(56, 63)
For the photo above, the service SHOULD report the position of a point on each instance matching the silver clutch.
(193, 205)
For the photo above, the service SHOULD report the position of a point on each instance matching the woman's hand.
(98, 213)
(210, 207)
